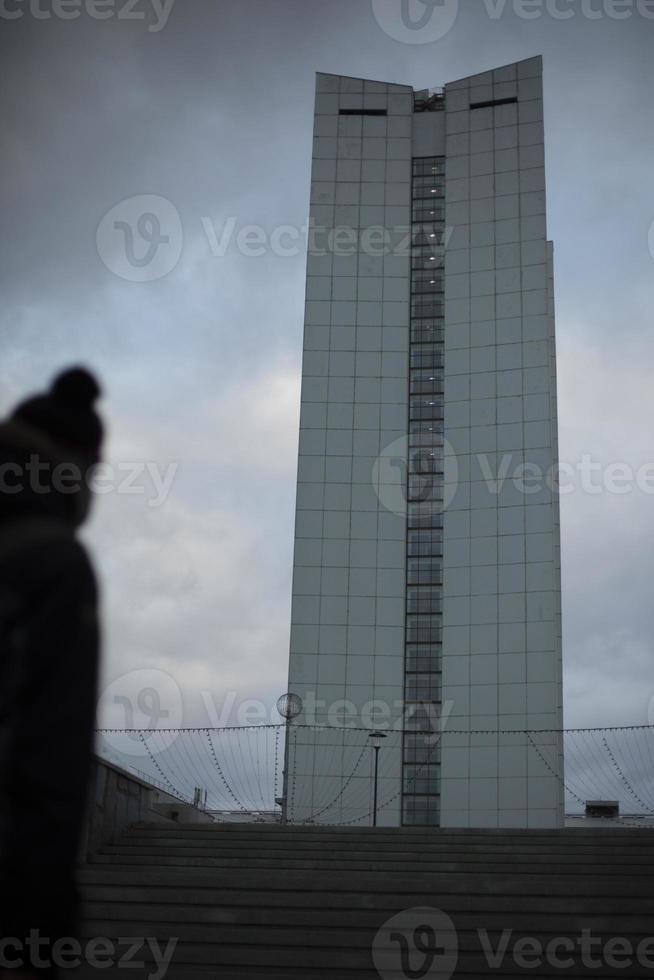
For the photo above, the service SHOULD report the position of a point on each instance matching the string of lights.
(241, 769)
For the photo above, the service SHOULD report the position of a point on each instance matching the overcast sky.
(208, 104)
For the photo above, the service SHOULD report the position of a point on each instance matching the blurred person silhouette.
(48, 665)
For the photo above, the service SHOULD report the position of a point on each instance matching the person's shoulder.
(66, 553)
(70, 551)
(42, 550)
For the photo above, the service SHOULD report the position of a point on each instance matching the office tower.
(426, 595)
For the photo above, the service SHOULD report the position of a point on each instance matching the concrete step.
(330, 962)
(178, 845)
(643, 840)
(301, 973)
(354, 937)
(556, 923)
(525, 866)
(405, 834)
(230, 899)
(381, 845)
(246, 903)
(380, 882)
(568, 835)
(182, 972)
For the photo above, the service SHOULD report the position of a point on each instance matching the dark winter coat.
(48, 671)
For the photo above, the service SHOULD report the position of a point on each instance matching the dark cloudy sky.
(212, 110)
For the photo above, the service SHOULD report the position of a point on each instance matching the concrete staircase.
(289, 903)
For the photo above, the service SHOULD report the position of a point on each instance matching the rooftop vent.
(608, 809)
(429, 100)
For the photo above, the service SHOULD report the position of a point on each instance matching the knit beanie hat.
(65, 413)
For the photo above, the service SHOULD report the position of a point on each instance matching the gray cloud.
(214, 113)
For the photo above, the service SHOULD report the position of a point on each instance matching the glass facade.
(396, 600)
(422, 663)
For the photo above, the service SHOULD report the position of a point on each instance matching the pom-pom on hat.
(65, 413)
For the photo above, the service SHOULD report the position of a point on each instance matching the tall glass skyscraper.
(426, 595)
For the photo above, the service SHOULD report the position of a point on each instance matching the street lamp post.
(376, 742)
(289, 706)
